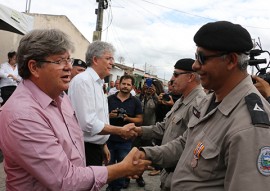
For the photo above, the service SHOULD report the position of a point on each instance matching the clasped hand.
(135, 163)
(128, 131)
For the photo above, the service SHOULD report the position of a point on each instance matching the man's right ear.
(33, 68)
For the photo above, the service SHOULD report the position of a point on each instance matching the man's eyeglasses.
(176, 74)
(202, 58)
(62, 62)
(108, 58)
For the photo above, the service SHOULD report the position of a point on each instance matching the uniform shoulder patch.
(256, 109)
(263, 162)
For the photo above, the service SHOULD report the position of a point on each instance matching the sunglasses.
(176, 74)
(202, 58)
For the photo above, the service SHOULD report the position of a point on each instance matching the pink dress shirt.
(43, 145)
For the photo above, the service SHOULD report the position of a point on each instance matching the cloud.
(156, 32)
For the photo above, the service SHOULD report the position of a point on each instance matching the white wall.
(10, 41)
(116, 73)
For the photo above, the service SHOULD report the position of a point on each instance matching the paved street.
(152, 182)
(2, 177)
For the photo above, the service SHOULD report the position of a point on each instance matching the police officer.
(78, 67)
(187, 83)
(226, 145)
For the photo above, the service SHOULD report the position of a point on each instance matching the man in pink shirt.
(40, 138)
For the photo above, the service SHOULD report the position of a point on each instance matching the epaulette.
(256, 110)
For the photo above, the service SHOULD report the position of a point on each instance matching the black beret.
(184, 64)
(79, 62)
(223, 36)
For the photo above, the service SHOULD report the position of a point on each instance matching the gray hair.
(242, 61)
(97, 49)
(39, 44)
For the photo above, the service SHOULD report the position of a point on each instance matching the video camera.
(255, 62)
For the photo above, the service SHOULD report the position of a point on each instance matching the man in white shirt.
(91, 106)
(9, 77)
(115, 88)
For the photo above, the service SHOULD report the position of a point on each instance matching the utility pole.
(145, 68)
(102, 4)
(28, 5)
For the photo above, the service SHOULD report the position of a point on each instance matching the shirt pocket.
(208, 161)
(73, 126)
(177, 125)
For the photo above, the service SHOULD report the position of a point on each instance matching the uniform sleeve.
(82, 97)
(166, 155)
(153, 131)
(33, 146)
(247, 160)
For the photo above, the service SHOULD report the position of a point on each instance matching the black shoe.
(126, 183)
(140, 182)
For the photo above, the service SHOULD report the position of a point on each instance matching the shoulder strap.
(256, 109)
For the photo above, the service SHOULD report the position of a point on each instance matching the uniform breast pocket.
(209, 160)
(178, 126)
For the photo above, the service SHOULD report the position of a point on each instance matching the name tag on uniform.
(196, 113)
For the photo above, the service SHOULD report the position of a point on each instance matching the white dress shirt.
(5, 70)
(112, 91)
(133, 93)
(90, 104)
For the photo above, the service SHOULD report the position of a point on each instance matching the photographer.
(166, 101)
(262, 86)
(124, 108)
(169, 98)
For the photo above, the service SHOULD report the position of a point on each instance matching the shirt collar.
(95, 76)
(192, 94)
(42, 98)
(130, 96)
(235, 96)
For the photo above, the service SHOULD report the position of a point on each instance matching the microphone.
(256, 62)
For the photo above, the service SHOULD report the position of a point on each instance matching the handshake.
(130, 131)
(133, 165)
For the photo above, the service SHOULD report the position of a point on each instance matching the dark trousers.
(6, 92)
(94, 154)
(1, 156)
(118, 150)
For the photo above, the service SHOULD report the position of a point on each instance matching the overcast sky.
(156, 33)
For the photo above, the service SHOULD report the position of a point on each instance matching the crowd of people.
(60, 131)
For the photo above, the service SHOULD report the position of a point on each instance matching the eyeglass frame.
(201, 58)
(176, 74)
(67, 61)
(107, 58)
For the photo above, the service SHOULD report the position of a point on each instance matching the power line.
(208, 18)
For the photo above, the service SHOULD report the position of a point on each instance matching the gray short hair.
(39, 44)
(97, 49)
(242, 61)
